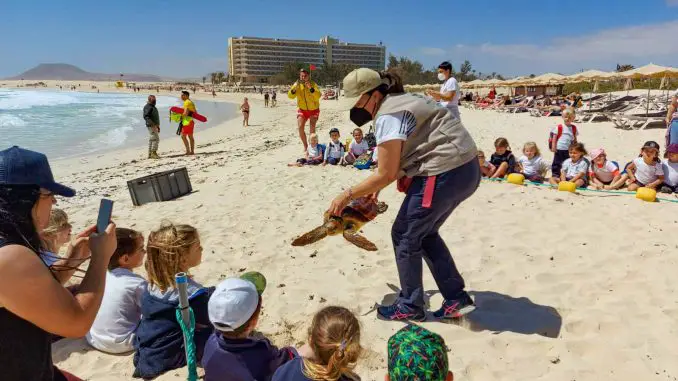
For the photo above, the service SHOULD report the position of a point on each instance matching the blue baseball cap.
(20, 166)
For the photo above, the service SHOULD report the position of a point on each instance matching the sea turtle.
(353, 217)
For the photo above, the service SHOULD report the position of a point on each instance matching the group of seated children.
(140, 316)
(570, 163)
(335, 152)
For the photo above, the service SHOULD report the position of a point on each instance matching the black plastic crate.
(162, 186)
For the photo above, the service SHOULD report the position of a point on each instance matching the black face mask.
(360, 116)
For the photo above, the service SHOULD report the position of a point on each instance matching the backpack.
(370, 138)
(364, 161)
(556, 137)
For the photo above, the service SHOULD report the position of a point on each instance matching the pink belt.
(405, 182)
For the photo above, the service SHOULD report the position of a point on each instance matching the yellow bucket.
(516, 178)
(567, 186)
(646, 194)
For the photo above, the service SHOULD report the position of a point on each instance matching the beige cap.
(360, 81)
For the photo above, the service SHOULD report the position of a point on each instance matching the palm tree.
(213, 78)
(203, 80)
(220, 77)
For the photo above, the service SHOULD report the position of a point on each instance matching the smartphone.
(105, 213)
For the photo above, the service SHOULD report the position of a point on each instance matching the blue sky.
(509, 37)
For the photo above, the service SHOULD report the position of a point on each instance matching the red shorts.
(188, 129)
(308, 114)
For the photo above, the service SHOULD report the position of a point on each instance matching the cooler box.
(162, 186)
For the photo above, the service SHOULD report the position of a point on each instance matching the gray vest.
(438, 143)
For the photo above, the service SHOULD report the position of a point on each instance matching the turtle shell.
(361, 207)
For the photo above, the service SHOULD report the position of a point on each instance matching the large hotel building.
(254, 59)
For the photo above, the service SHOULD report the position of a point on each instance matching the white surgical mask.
(441, 76)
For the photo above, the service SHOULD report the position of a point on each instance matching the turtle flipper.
(359, 240)
(381, 207)
(314, 235)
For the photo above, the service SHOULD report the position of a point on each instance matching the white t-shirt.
(396, 126)
(453, 105)
(358, 148)
(565, 139)
(572, 169)
(334, 150)
(670, 173)
(531, 166)
(647, 173)
(119, 314)
(606, 173)
(313, 151)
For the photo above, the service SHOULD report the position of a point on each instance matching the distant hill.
(66, 72)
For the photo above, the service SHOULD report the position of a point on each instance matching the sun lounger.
(638, 121)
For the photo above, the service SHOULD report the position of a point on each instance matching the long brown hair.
(166, 248)
(334, 337)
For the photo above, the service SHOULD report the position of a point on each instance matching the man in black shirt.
(152, 119)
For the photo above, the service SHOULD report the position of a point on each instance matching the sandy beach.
(568, 286)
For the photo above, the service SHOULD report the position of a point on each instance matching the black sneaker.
(455, 308)
(397, 312)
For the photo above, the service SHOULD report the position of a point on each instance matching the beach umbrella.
(646, 72)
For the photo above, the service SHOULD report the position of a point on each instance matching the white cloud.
(636, 45)
(428, 51)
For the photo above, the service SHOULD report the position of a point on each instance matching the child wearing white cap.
(230, 352)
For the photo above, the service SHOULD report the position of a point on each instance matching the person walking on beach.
(245, 108)
(273, 100)
(266, 99)
(307, 94)
(152, 119)
(448, 95)
(434, 160)
(187, 123)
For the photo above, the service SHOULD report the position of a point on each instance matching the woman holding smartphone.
(34, 305)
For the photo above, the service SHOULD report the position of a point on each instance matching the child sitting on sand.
(315, 153)
(604, 174)
(55, 236)
(575, 168)
(560, 140)
(357, 147)
(415, 353)
(114, 328)
(159, 340)
(670, 167)
(486, 168)
(646, 170)
(231, 353)
(531, 163)
(332, 351)
(502, 159)
(335, 149)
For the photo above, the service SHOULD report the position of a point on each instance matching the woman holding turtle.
(433, 157)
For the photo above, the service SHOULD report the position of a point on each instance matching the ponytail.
(334, 337)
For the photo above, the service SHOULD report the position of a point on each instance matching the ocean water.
(65, 124)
